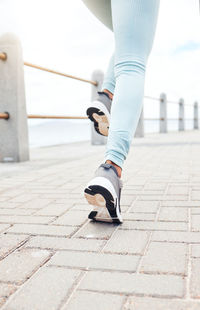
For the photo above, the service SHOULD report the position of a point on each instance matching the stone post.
(97, 76)
(196, 115)
(14, 144)
(163, 113)
(181, 125)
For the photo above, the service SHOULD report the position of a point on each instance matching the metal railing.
(95, 82)
(3, 56)
(59, 73)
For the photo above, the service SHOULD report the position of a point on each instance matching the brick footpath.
(53, 257)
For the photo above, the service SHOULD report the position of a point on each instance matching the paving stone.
(70, 185)
(172, 214)
(130, 192)
(150, 192)
(53, 209)
(4, 227)
(178, 226)
(131, 242)
(65, 243)
(174, 236)
(12, 192)
(10, 242)
(195, 195)
(48, 190)
(136, 181)
(196, 250)
(72, 218)
(5, 291)
(91, 300)
(12, 219)
(18, 266)
(90, 260)
(139, 216)
(145, 206)
(23, 198)
(195, 219)
(41, 189)
(3, 199)
(150, 197)
(195, 211)
(132, 187)
(124, 283)
(141, 303)
(165, 258)
(42, 230)
(187, 204)
(53, 196)
(155, 186)
(82, 207)
(8, 205)
(94, 230)
(16, 211)
(36, 203)
(177, 190)
(47, 288)
(195, 279)
(127, 200)
(163, 197)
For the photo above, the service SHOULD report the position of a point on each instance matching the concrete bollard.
(181, 124)
(196, 115)
(140, 127)
(14, 145)
(163, 113)
(98, 76)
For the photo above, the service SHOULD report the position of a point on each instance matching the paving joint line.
(20, 245)
(73, 289)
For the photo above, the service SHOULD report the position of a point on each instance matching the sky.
(65, 36)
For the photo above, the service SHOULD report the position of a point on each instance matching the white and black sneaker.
(103, 192)
(99, 113)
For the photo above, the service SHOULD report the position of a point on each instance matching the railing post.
(163, 113)
(181, 125)
(196, 115)
(14, 131)
(140, 127)
(97, 76)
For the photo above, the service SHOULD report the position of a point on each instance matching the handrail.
(3, 56)
(56, 117)
(4, 115)
(59, 73)
(37, 116)
(152, 98)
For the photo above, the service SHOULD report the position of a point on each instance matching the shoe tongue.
(108, 166)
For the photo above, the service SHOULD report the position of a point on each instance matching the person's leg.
(134, 23)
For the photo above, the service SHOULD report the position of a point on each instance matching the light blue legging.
(134, 23)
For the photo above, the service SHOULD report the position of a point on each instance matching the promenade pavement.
(53, 257)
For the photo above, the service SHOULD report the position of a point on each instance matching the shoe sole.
(106, 207)
(99, 115)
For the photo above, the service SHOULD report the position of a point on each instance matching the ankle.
(109, 93)
(119, 169)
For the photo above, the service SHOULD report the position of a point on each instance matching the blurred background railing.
(14, 133)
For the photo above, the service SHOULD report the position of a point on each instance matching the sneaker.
(103, 192)
(99, 113)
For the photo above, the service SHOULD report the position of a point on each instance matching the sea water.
(56, 132)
